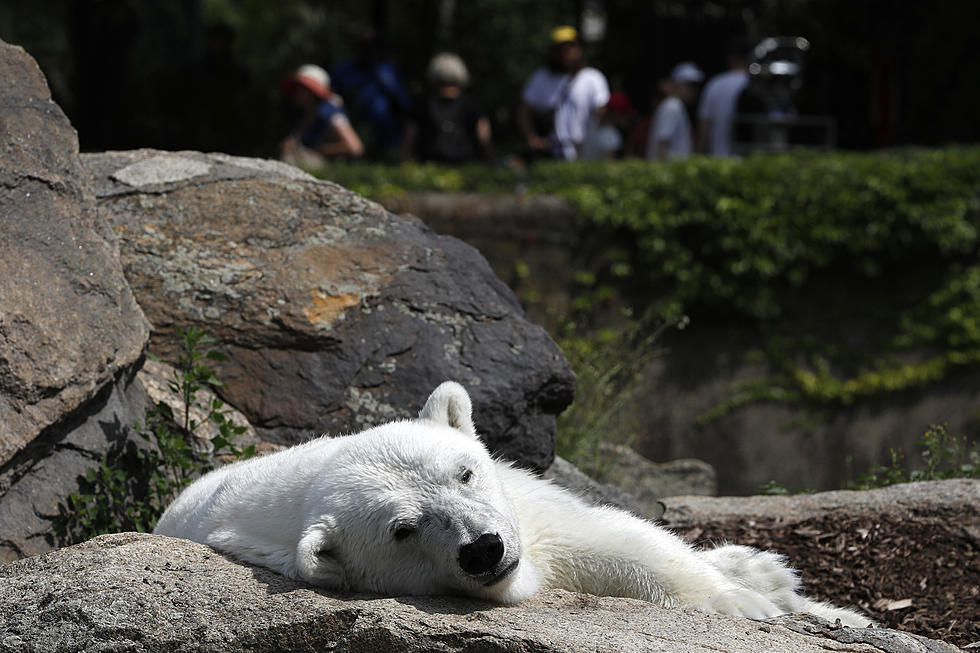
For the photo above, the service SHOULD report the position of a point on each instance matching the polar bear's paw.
(740, 602)
(762, 571)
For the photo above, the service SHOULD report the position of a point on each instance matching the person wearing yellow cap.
(322, 129)
(561, 102)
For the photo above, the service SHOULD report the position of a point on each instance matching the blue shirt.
(375, 92)
(319, 130)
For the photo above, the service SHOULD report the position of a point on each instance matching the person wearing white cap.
(670, 135)
(448, 126)
(322, 129)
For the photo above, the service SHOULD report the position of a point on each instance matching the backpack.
(448, 131)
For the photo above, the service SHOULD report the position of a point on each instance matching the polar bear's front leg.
(687, 577)
(608, 552)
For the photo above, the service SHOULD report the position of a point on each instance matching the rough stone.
(925, 500)
(540, 232)
(68, 321)
(149, 593)
(336, 314)
(649, 481)
(71, 333)
(568, 476)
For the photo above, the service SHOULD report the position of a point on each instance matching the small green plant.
(129, 490)
(944, 456)
(772, 488)
(609, 365)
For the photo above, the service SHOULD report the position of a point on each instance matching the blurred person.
(615, 123)
(448, 127)
(322, 130)
(561, 102)
(670, 135)
(716, 110)
(378, 101)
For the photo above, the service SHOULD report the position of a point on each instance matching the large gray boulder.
(133, 592)
(71, 333)
(336, 314)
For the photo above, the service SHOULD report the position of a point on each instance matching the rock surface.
(648, 481)
(568, 476)
(926, 500)
(71, 333)
(336, 314)
(149, 593)
(533, 242)
(68, 321)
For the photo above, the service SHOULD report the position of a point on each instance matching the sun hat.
(686, 72)
(310, 76)
(564, 34)
(447, 69)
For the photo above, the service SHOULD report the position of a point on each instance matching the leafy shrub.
(129, 490)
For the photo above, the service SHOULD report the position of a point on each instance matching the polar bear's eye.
(465, 476)
(403, 532)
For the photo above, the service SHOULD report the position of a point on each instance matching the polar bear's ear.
(449, 404)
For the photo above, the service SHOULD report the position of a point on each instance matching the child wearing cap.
(670, 134)
(322, 129)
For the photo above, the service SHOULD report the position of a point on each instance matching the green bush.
(129, 489)
(793, 246)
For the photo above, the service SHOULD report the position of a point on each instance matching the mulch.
(918, 576)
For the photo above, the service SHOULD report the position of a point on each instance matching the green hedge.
(791, 244)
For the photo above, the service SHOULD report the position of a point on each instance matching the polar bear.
(420, 507)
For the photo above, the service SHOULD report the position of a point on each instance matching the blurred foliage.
(860, 272)
(609, 364)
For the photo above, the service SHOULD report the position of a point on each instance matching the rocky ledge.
(134, 592)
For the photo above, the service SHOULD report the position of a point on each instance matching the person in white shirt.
(716, 112)
(561, 103)
(670, 134)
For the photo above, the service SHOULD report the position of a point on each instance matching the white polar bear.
(420, 507)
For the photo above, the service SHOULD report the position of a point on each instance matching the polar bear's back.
(231, 496)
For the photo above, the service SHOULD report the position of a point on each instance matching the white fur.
(390, 509)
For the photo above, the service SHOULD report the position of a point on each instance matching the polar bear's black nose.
(482, 554)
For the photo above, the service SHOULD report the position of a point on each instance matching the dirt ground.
(921, 577)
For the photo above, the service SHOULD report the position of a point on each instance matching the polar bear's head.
(416, 507)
